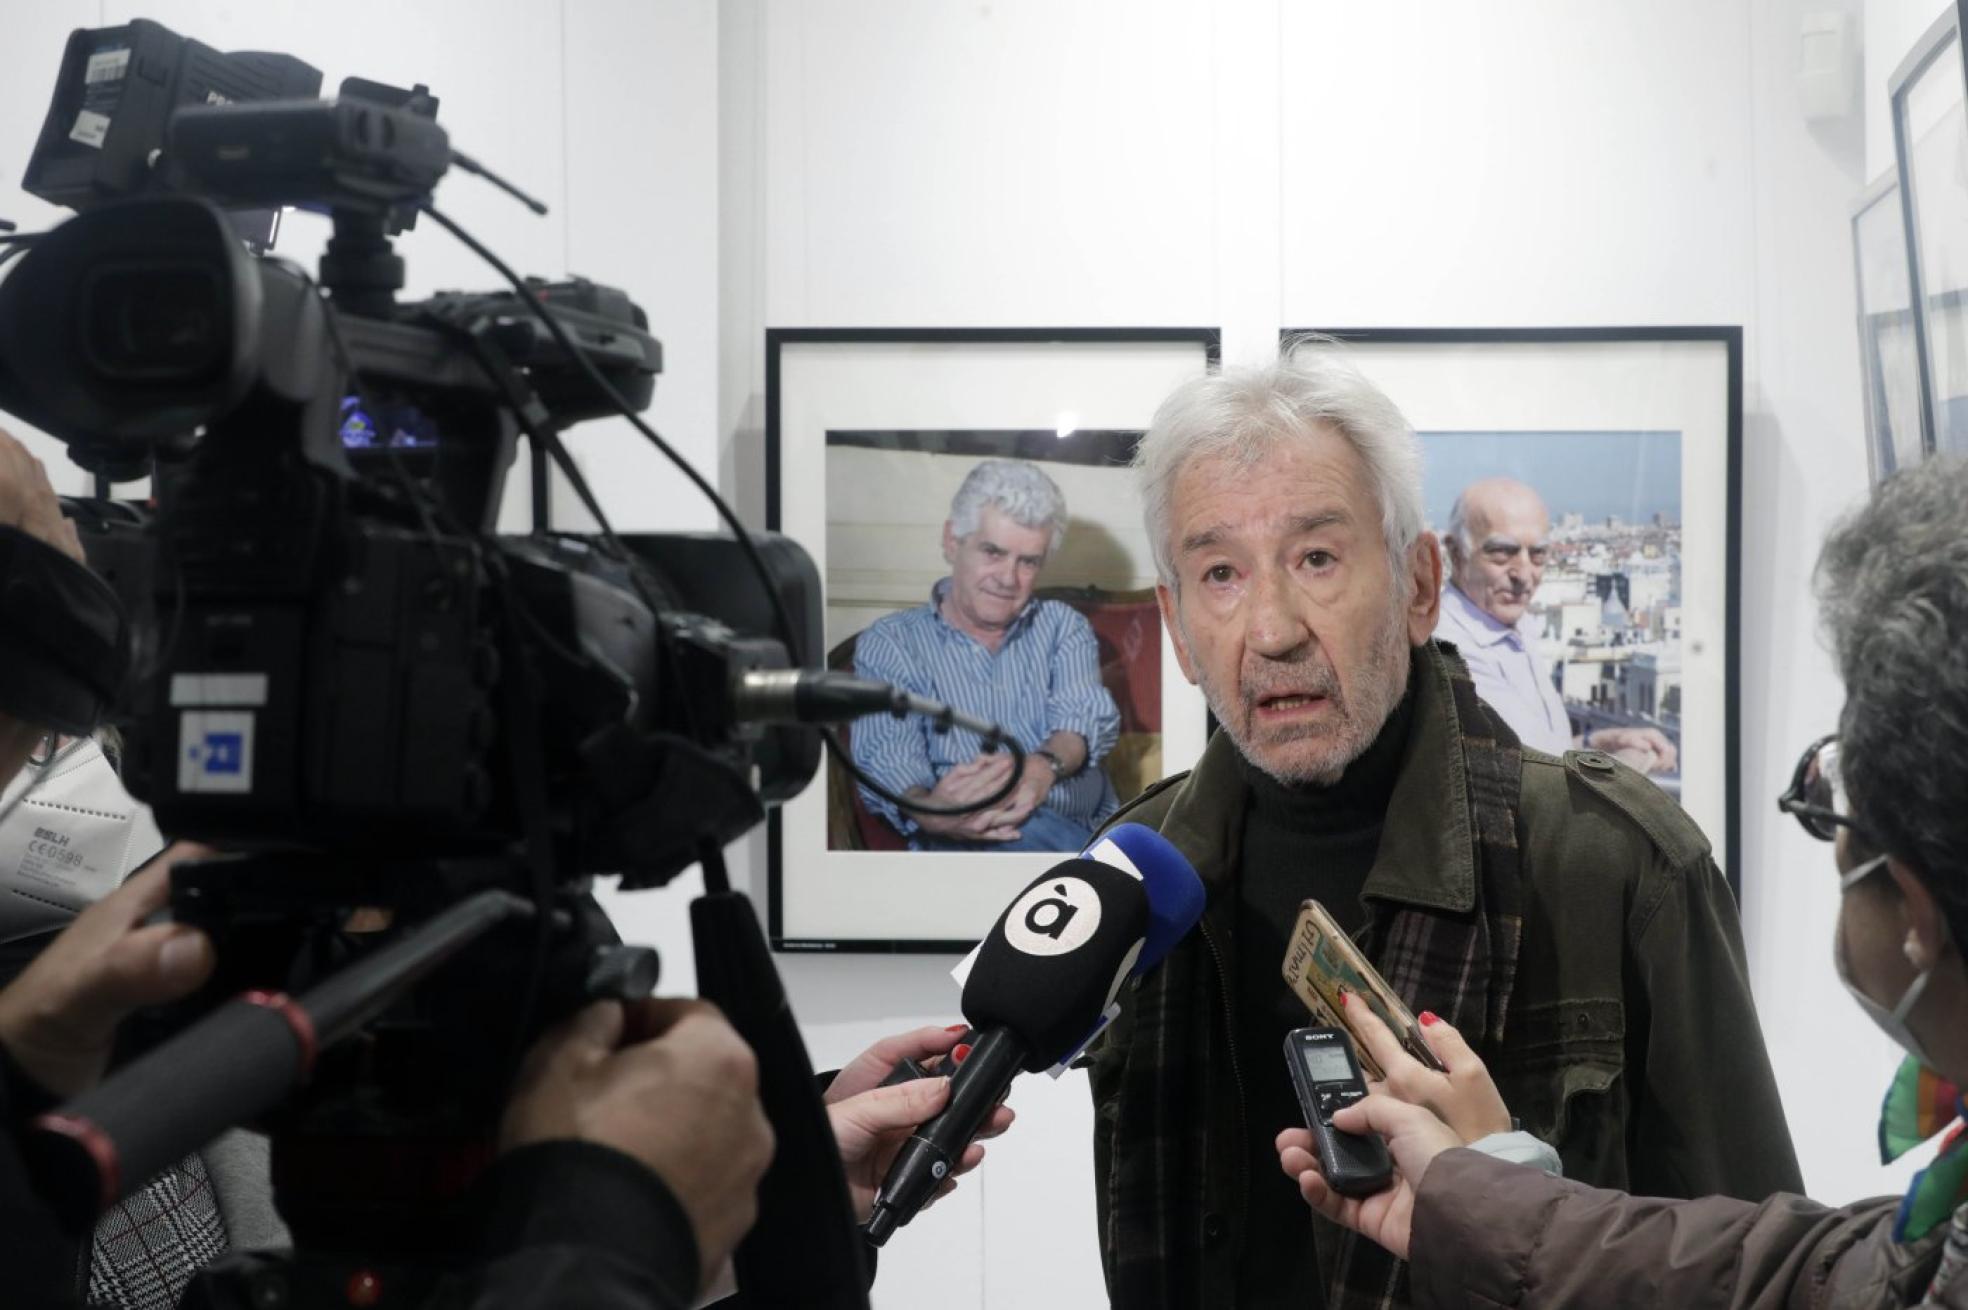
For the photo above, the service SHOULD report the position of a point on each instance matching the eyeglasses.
(1816, 794)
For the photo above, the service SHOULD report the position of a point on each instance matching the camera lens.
(154, 323)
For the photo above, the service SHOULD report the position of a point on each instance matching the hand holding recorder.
(1413, 1109)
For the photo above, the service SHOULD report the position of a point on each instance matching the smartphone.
(1322, 963)
(1326, 1073)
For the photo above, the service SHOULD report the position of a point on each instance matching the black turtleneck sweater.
(1299, 843)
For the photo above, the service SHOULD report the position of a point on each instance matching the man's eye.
(1218, 573)
(1319, 559)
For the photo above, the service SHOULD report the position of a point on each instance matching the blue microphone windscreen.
(1175, 893)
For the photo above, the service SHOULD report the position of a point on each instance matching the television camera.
(335, 667)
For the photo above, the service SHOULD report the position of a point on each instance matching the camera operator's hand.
(669, 1083)
(58, 1019)
(28, 500)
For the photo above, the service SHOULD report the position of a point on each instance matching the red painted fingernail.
(957, 1028)
(1429, 1016)
(1343, 998)
(961, 1053)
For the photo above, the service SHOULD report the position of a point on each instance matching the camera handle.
(805, 1251)
(240, 1060)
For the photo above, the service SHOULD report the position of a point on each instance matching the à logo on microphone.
(1057, 916)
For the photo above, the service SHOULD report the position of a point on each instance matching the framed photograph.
(967, 497)
(1586, 483)
(1929, 96)
(1896, 426)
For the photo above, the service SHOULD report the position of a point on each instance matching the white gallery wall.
(1249, 164)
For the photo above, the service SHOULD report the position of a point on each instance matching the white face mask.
(67, 830)
(1892, 1022)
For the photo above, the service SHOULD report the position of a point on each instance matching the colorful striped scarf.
(1919, 1104)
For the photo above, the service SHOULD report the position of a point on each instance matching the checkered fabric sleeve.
(146, 1249)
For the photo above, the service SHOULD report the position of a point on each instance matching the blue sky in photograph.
(1627, 475)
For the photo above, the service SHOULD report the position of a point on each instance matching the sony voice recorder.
(1327, 1075)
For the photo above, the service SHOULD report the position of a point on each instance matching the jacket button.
(1212, 1227)
(1594, 760)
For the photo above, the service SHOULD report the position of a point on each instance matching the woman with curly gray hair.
(1889, 793)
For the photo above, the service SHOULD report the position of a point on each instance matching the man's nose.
(1277, 627)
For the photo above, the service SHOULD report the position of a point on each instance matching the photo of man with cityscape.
(1562, 563)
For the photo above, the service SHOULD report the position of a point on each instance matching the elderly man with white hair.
(983, 644)
(1562, 913)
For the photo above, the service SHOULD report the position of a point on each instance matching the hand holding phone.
(1326, 1074)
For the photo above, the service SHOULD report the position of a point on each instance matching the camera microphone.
(811, 696)
(1041, 983)
(823, 696)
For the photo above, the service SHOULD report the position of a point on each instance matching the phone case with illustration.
(1321, 962)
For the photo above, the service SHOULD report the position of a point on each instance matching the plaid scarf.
(1461, 966)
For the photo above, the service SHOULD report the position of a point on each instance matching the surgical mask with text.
(68, 831)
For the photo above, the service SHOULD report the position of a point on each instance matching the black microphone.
(811, 696)
(1049, 969)
(823, 696)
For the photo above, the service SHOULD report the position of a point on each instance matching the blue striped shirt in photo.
(1043, 678)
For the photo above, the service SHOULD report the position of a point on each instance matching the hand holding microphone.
(873, 1115)
(1041, 984)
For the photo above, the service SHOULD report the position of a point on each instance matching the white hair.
(1242, 414)
(1022, 490)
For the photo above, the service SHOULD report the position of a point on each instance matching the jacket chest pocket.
(1559, 1072)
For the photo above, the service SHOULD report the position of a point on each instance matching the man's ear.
(950, 541)
(1422, 593)
(1924, 925)
(1173, 622)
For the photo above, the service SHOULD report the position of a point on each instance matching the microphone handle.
(932, 1153)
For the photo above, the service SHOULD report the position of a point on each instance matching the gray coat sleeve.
(1491, 1234)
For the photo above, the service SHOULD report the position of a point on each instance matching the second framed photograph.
(1586, 485)
(1889, 358)
(967, 497)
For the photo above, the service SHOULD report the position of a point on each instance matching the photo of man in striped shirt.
(984, 644)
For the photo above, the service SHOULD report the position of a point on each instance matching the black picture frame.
(1939, 46)
(777, 343)
(1881, 281)
(1730, 340)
